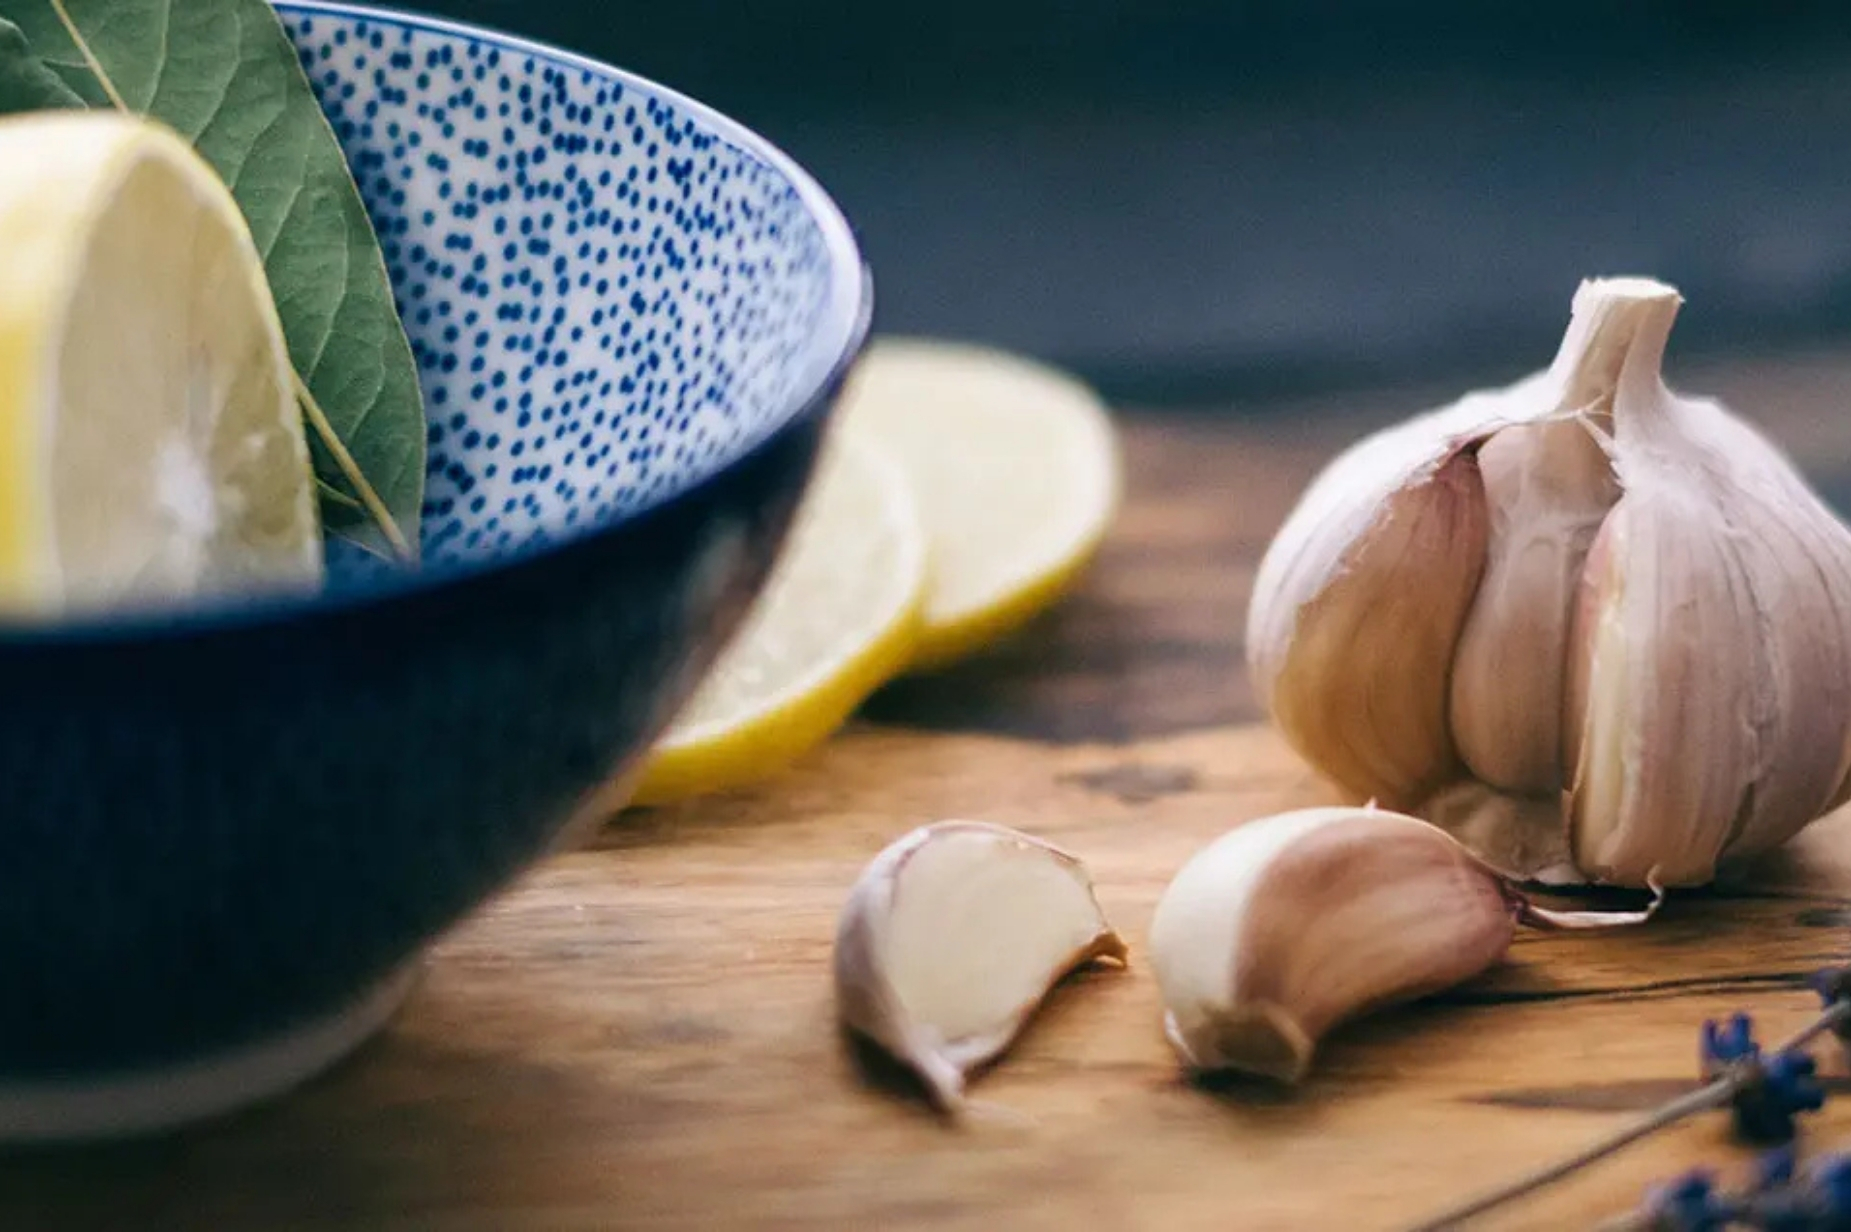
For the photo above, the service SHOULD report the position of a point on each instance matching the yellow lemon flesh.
(836, 620)
(151, 450)
(1016, 470)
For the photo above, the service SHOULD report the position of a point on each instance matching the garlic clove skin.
(1712, 675)
(1349, 649)
(951, 938)
(1548, 486)
(1284, 927)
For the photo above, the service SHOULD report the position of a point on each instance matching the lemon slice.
(151, 451)
(835, 621)
(1016, 470)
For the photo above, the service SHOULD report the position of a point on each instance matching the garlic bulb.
(1286, 926)
(1579, 619)
(950, 939)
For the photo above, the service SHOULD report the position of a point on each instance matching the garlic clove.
(1599, 736)
(1548, 486)
(1707, 707)
(1284, 927)
(1349, 649)
(951, 938)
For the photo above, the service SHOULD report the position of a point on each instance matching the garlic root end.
(1262, 1039)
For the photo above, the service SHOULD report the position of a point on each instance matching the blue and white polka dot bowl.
(228, 839)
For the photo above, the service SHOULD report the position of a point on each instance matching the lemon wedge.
(151, 451)
(836, 620)
(1016, 470)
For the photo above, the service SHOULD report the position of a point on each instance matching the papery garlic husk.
(951, 938)
(1652, 669)
(1286, 926)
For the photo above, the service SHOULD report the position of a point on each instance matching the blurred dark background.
(1194, 201)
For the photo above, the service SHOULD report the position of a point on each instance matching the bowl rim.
(848, 316)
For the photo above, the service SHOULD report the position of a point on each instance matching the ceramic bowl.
(227, 838)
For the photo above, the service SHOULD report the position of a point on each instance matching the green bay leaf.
(224, 74)
(26, 83)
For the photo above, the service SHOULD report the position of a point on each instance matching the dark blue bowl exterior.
(213, 836)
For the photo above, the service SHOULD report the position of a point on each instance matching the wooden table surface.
(640, 1034)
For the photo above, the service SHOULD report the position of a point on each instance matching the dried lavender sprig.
(1714, 1095)
(1779, 1199)
(1835, 1018)
(1719, 1092)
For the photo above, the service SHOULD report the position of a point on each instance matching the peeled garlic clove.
(1284, 927)
(1710, 691)
(1357, 606)
(950, 939)
(1287, 926)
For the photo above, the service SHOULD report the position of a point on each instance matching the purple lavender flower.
(1774, 1169)
(1833, 984)
(1768, 1091)
(1728, 1045)
(1689, 1204)
(1819, 1200)
(1829, 1179)
(1781, 1087)
(1783, 1211)
(1834, 988)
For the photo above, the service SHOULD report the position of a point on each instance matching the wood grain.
(641, 1036)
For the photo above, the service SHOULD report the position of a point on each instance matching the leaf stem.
(1712, 1095)
(337, 449)
(368, 497)
(83, 49)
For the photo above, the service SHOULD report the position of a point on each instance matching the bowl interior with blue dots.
(611, 291)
